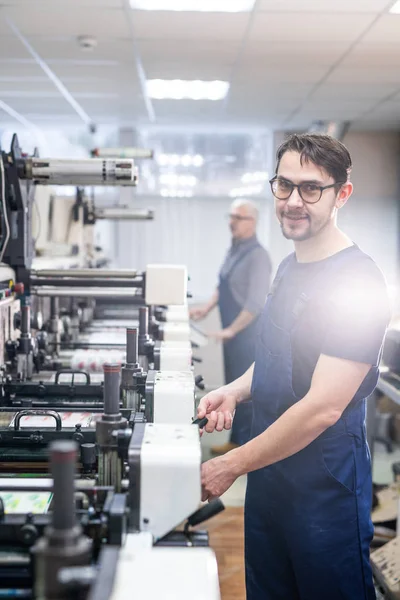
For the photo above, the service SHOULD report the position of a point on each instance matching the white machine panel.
(175, 356)
(174, 397)
(176, 331)
(166, 574)
(178, 313)
(170, 455)
(166, 284)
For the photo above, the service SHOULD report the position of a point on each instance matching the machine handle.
(200, 422)
(72, 372)
(41, 413)
(204, 513)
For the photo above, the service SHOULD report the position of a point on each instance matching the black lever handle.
(204, 513)
(200, 422)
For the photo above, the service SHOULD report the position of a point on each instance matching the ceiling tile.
(354, 91)
(273, 75)
(182, 25)
(180, 51)
(287, 53)
(387, 29)
(367, 75)
(374, 55)
(63, 21)
(346, 6)
(308, 27)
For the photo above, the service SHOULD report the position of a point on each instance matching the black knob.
(28, 534)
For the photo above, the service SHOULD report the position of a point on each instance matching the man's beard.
(311, 230)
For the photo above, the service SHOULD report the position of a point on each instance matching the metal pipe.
(123, 152)
(143, 321)
(133, 293)
(63, 459)
(132, 345)
(86, 171)
(78, 282)
(123, 213)
(87, 273)
(112, 376)
(25, 319)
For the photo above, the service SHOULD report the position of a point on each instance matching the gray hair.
(250, 204)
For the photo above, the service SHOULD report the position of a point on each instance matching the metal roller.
(90, 171)
(123, 153)
(123, 213)
(110, 465)
(89, 292)
(87, 273)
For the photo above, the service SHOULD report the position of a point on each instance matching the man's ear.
(344, 194)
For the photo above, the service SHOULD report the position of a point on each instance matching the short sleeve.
(358, 313)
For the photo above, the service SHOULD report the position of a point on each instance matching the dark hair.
(320, 149)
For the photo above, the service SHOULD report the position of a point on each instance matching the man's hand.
(224, 335)
(219, 407)
(198, 313)
(217, 476)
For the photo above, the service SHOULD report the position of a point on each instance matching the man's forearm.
(213, 301)
(243, 319)
(301, 424)
(241, 387)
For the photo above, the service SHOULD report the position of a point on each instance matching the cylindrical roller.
(143, 321)
(90, 171)
(86, 273)
(88, 456)
(63, 459)
(112, 377)
(132, 345)
(54, 307)
(88, 292)
(123, 213)
(25, 319)
(123, 153)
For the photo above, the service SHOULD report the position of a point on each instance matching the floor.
(226, 530)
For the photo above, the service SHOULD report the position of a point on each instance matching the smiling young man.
(307, 511)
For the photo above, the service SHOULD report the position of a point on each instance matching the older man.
(243, 286)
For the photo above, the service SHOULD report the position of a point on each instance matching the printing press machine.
(128, 429)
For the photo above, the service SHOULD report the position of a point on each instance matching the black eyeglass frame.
(321, 188)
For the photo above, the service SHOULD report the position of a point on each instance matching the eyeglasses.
(309, 192)
(239, 218)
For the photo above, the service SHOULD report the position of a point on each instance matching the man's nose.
(295, 200)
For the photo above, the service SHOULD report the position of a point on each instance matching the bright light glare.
(174, 180)
(173, 193)
(395, 9)
(194, 5)
(179, 89)
(186, 160)
(254, 177)
(253, 190)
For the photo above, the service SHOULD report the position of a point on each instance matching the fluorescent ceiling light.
(186, 160)
(246, 191)
(194, 5)
(254, 177)
(174, 180)
(178, 89)
(395, 9)
(171, 193)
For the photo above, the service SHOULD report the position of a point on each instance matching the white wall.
(192, 231)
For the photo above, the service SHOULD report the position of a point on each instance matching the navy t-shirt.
(346, 316)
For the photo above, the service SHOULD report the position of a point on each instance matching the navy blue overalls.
(307, 518)
(239, 352)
